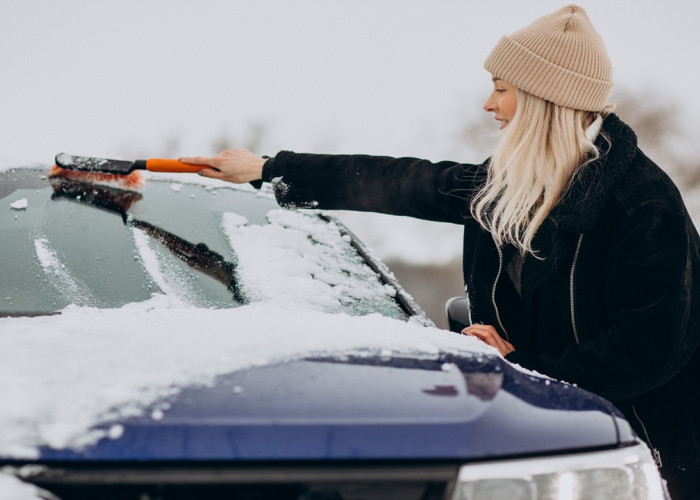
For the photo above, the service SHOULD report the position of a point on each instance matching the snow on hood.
(64, 375)
(13, 488)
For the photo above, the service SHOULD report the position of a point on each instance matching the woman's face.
(501, 102)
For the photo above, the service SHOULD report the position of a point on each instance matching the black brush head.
(97, 165)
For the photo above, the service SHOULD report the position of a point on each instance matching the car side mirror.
(458, 313)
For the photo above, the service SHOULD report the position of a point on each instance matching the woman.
(580, 260)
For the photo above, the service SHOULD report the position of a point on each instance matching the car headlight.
(625, 473)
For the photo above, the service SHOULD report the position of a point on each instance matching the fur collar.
(581, 206)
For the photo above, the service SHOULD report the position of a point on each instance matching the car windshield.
(67, 242)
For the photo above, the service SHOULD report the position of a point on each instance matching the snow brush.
(123, 167)
(117, 173)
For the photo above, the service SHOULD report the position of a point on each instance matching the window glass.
(67, 242)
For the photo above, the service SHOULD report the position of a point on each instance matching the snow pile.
(301, 261)
(67, 379)
(20, 204)
(56, 273)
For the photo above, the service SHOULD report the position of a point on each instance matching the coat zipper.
(571, 288)
(493, 291)
(655, 451)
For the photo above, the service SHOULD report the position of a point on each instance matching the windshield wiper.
(119, 201)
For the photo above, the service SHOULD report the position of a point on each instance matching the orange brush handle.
(164, 165)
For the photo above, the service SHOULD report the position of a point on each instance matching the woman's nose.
(489, 105)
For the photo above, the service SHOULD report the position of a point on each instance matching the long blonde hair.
(531, 169)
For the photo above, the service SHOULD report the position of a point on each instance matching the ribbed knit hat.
(560, 58)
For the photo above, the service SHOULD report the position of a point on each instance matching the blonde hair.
(531, 169)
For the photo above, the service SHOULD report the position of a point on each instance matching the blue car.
(185, 339)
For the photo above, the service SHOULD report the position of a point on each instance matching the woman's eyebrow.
(496, 79)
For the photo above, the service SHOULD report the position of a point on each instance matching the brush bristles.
(133, 181)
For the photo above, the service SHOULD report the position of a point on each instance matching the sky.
(396, 77)
(137, 78)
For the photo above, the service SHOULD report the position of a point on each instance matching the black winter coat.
(614, 304)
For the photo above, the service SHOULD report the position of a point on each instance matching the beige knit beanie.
(560, 58)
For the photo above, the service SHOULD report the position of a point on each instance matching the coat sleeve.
(397, 186)
(650, 296)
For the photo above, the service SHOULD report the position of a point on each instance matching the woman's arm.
(398, 186)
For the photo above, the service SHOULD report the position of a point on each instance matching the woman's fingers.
(196, 160)
(489, 335)
(485, 333)
(211, 171)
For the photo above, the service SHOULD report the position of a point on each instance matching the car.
(191, 339)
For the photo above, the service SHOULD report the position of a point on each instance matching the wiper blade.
(119, 201)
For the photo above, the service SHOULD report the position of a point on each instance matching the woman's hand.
(490, 336)
(233, 165)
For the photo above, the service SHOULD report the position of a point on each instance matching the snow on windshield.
(164, 272)
(68, 380)
(60, 277)
(301, 261)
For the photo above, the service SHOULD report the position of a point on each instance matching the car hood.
(365, 406)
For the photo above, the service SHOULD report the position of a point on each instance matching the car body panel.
(365, 407)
